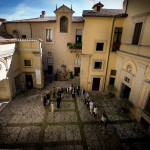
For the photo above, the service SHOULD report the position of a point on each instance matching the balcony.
(77, 47)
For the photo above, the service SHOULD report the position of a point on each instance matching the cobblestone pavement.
(25, 124)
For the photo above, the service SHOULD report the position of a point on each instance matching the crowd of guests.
(73, 90)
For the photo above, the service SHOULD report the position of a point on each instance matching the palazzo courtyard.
(25, 124)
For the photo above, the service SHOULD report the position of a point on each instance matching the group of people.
(88, 101)
(59, 94)
(72, 90)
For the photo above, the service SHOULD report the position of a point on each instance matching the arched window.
(63, 24)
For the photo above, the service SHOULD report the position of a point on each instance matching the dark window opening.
(111, 81)
(147, 108)
(113, 72)
(98, 8)
(64, 24)
(24, 36)
(127, 79)
(99, 46)
(125, 91)
(27, 62)
(117, 39)
(98, 65)
(78, 39)
(137, 32)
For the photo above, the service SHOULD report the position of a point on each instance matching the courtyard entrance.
(50, 70)
(76, 71)
(96, 83)
(29, 81)
(125, 91)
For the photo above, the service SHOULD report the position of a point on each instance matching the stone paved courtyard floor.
(25, 124)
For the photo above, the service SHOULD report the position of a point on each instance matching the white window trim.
(98, 60)
(24, 63)
(52, 42)
(104, 46)
(138, 20)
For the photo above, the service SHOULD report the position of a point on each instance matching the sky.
(24, 9)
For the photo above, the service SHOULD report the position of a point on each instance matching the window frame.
(50, 35)
(95, 45)
(137, 20)
(102, 66)
(60, 28)
(24, 62)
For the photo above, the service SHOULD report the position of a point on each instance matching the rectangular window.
(98, 8)
(147, 109)
(137, 33)
(78, 36)
(113, 72)
(48, 35)
(27, 63)
(117, 39)
(99, 46)
(98, 65)
(24, 36)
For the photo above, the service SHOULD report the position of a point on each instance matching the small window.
(27, 63)
(24, 36)
(50, 60)
(127, 79)
(113, 72)
(64, 24)
(137, 33)
(48, 35)
(98, 8)
(99, 46)
(98, 65)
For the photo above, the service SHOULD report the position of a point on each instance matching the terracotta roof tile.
(104, 13)
(45, 19)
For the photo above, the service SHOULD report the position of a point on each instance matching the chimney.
(43, 14)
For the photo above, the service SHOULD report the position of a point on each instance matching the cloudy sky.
(23, 9)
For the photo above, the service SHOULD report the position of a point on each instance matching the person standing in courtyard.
(86, 98)
(44, 101)
(95, 111)
(48, 97)
(82, 94)
(58, 101)
(78, 89)
(52, 107)
(91, 107)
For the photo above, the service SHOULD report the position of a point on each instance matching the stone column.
(136, 86)
(118, 75)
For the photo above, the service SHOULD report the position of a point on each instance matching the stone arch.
(130, 66)
(64, 24)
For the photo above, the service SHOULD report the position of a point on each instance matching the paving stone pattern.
(25, 124)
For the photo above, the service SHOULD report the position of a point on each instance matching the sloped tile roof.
(104, 13)
(45, 19)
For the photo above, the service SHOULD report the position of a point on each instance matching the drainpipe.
(31, 30)
(126, 7)
(109, 53)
